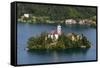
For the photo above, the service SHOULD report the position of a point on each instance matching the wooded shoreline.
(71, 40)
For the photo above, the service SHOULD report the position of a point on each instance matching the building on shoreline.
(70, 21)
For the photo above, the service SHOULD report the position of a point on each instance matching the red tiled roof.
(53, 32)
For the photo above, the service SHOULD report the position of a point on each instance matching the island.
(56, 39)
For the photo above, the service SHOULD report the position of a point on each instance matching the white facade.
(56, 36)
(26, 15)
(49, 36)
(52, 36)
(70, 21)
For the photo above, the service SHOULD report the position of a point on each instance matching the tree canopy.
(56, 12)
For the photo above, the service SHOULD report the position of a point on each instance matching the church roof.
(53, 32)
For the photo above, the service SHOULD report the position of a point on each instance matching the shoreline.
(90, 25)
(65, 41)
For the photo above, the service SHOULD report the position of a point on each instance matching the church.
(54, 34)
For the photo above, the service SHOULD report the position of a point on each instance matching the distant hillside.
(56, 12)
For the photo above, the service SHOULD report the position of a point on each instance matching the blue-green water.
(25, 31)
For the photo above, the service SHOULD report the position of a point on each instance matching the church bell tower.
(59, 30)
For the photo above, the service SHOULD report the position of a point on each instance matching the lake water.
(25, 31)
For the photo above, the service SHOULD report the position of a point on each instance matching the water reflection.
(55, 53)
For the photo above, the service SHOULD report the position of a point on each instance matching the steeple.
(59, 29)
